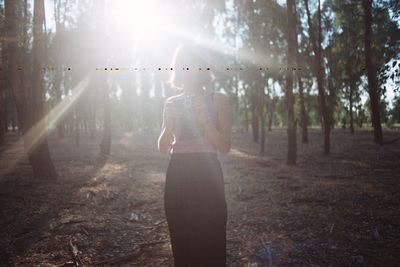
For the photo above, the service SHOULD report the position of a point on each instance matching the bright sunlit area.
(146, 20)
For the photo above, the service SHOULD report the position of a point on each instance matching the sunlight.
(153, 20)
(256, 58)
(144, 19)
(33, 136)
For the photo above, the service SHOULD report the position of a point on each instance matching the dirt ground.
(337, 210)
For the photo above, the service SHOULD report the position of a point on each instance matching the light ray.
(33, 136)
(256, 58)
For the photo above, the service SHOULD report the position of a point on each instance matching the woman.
(196, 127)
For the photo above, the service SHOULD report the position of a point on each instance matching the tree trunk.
(331, 101)
(57, 89)
(254, 118)
(291, 125)
(237, 111)
(105, 145)
(246, 114)
(3, 121)
(31, 117)
(76, 124)
(371, 73)
(352, 85)
(14, 122)
(262, 119)
(271, 109)
(3, 87)
(319, 71)
(303, 113)
(40, 156)
(270, 118)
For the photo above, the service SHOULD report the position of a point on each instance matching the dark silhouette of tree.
(371, 73)
(316, 40)
(31, 114)
(289, 97)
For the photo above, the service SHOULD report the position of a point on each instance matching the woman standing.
(196, 127)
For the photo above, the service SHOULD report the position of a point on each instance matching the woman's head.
(191, 68)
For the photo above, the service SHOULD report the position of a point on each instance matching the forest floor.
(336, 210)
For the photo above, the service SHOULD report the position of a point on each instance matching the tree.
(319, 72)
(371, 73)
(31, 116)
(291, 59)
(303, 110)
(105, 145)
(3, 79)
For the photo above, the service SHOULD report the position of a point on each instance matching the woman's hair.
(191, 62)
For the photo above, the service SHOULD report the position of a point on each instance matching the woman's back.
(189, 135)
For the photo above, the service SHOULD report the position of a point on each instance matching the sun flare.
(142, 19)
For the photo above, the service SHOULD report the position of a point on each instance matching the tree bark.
(31, 117)
(246, 114)
(3, 121)
(303, 113)
(351, 89)
(262, 118)
(291, 55)
(254, 117)
(371, 73)
(271, 108)
(40, 159)
(319, 71)
(105, 145)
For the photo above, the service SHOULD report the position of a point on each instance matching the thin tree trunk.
(12, 48)
(270, 118)
(14, 122)
(371, 73)
(352, 85)
(262, 119)
(254, 118)
(237, 113)
(92, 121)
(57, 89)
(291, 125)
(105, 146)
(77, 124)
(3, 87)
(319, 71)
(359, 117)
(246, 115)
(303, 113)
(3, 121)
(271, 109)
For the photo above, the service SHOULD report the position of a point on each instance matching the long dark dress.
(196, 211)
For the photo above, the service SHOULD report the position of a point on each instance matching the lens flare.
(143, 19)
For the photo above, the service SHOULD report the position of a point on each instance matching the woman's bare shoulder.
(172, 98)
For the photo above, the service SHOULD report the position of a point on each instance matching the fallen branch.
(153, 242)
(75, 254)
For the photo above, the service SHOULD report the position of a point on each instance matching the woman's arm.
(221, 137)
(166, 137)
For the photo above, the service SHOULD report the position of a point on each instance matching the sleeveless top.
(196, 144)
